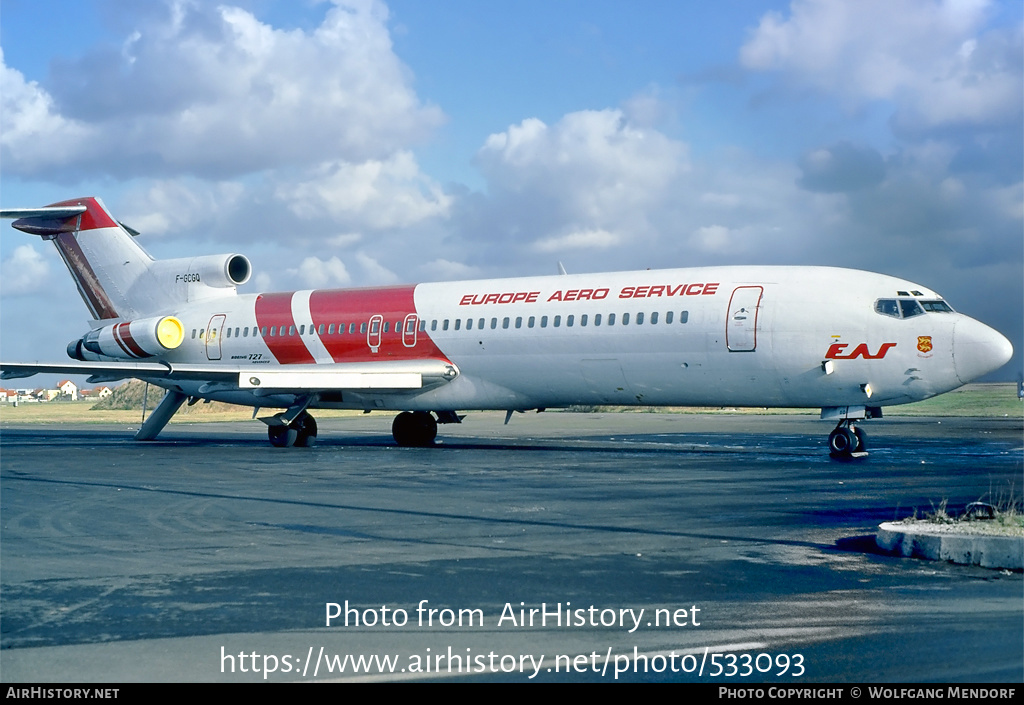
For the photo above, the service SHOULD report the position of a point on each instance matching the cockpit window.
(910, 308)
(888, 307)
(939, 306)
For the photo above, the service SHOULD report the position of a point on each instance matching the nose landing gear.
(846, 441)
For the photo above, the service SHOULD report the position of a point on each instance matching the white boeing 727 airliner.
(847, 342)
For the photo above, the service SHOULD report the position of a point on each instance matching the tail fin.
(103, 258)
(115, 276)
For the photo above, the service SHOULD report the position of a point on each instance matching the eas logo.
(835, 351)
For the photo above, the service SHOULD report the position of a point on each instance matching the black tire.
(282, 436)
(426, 427)
(414, 429)
(842, 442)
(305, 427)
(861, 440)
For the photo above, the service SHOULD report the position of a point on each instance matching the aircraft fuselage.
(722, 336)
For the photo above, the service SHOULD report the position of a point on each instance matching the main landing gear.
(414, 428)
(301, 432)
(846, 441)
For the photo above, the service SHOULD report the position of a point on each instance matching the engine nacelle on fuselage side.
(129, 340)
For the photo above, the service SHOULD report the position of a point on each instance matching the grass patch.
(1000, 512)
(125, 406)
(985, 400)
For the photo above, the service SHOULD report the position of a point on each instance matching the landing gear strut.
(846, 441)
(300, 432)
(414, 428)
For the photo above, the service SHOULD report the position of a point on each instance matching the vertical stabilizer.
(103, 258)
(115, 276)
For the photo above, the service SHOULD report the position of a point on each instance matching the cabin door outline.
(409, 330)
(213, 334)
(741, 326)
(373, 332)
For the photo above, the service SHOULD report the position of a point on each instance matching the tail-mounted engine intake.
(218, 271)
(131, 339)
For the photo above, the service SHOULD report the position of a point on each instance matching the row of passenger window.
(557, 321)
(376, 326)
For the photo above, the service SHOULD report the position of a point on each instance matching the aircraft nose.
(978, 349)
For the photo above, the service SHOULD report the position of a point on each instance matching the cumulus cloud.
(212, 91)
(578, 240)
(621, 163)
(378, 194)
(317, 273)
(573, 184)
(930, 57)
(34, 133)
(168, 207)
(24, 272)
(446, 270)
(374, 272)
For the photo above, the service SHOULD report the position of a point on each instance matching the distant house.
(103, 392)
(68, 389)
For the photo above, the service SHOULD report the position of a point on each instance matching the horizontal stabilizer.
(51, 220)
(43, 213)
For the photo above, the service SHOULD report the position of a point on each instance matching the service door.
(373, 332)
(741, 328)
(213, 333)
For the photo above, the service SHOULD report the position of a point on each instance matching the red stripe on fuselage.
(342, 307)
(337, 310)
(275, 311)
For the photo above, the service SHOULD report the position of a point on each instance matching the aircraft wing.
(386, 374)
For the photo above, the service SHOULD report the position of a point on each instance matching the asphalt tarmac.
(210, 556)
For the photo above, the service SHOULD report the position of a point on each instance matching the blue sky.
(356, 142)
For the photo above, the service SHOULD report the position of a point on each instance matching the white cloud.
(596, 157)
(374, 272)
(446, 270)
(213, 91)
(317, 273)
(24, 272)
(713, 238)
(33, 132)
(344, 240)
(591, 172)
(929, 57)
(578, 240)
(168, 207)
(376, 194)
